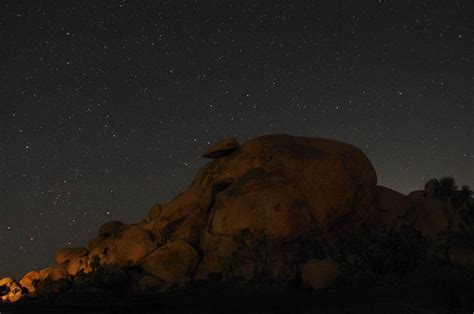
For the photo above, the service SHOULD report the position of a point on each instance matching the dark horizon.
(108, 106)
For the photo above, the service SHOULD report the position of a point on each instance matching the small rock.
(111, 227)
(320, 274)
(155, 211)
(221, 148)
(30, 281)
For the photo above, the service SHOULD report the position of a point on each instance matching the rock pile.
(283, 188)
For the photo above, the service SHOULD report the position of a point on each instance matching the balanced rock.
(221, 148)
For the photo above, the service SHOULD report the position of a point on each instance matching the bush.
(381, 251)
(249, 260)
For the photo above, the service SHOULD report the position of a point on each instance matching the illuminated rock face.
(10, 290)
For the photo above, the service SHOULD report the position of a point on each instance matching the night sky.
(107, 105)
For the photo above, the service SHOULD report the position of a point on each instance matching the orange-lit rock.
(78, 264)
(32, 280)
(127, 247)
(69, 253)
(172, 263)
(155, 211)
(10, 290)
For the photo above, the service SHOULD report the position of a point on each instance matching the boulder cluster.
(284, 188)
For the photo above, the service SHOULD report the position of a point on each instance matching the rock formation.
(282, 187)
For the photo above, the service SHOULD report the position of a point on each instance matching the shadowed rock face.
(282, 185)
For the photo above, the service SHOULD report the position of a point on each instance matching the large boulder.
(429, 217)
(286, 186)
(221, 148)
(390, 207)
(172, 263)
(127, 247)
(260, 200)
(335, 179)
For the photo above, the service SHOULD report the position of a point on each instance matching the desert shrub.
(249, 260)
(381, 251)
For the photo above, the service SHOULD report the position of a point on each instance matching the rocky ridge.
(247, 215)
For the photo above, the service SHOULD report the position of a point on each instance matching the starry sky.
(107, 105)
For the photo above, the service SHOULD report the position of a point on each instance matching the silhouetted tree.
(465, 205)
(252, 250)
(454, 200)
(446, 193)
(381, 251)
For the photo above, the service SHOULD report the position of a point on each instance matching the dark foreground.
(234, 300)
